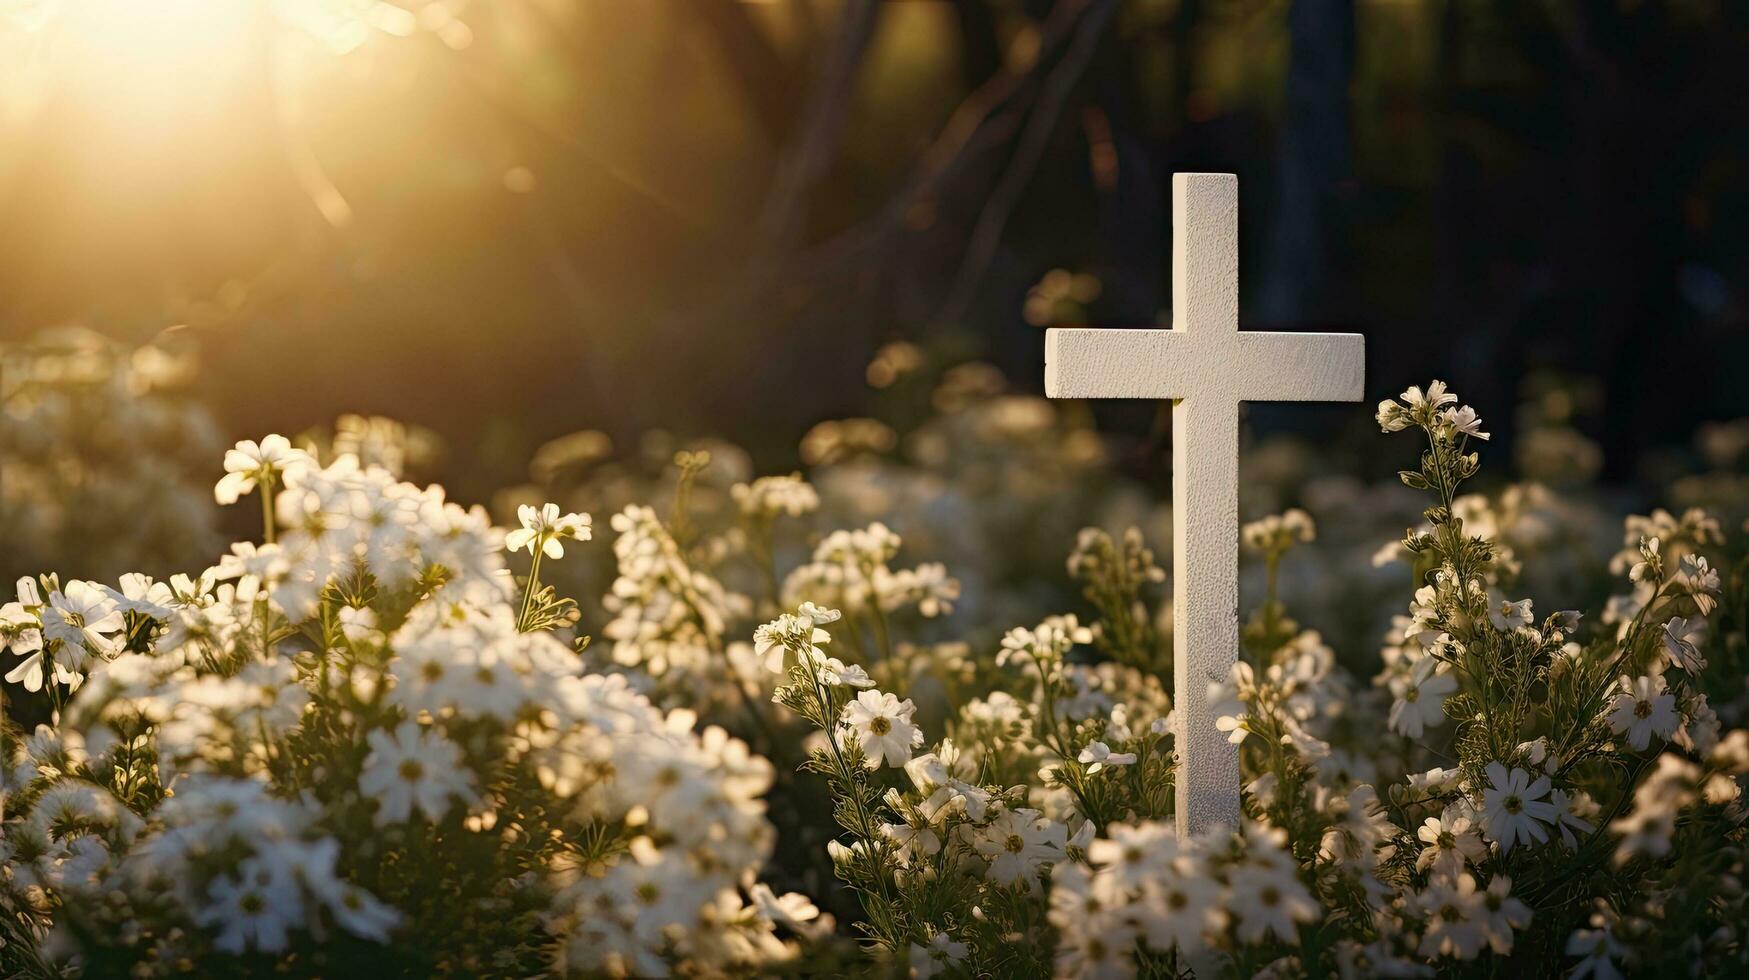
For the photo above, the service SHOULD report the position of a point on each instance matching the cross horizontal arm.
(1298, 367)
(1086, 362)
(1246, 365)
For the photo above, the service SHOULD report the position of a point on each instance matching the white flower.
(138, 593)
(792, 910)
(356, 910)
(1391, 417)
(1100, 756)
(1434, 780)
(1701, 581)
(799, 632)
(545, 528)
(1279, 532)
(20, 627)
(1513, 808)
(1700, 727)
(79, 622)
(1451, 906)
(836, 673)
(1436, 396)
(255, 910)
(413, 768)
(883, 728)
(1420, 697)
(1571, 824)
(1597, 950)
(1501, 914)
(1452, 842)
(1642, 710)
(1182, 907)
(251, 463)
(1510, 615)
(1269, 899)
(1045, 644)
(1650, 567)
(1228, 701)
(1464, 420)
(769, 496)
(1679, 645)
(1018, 843)
(1135, 855)
(941, 953)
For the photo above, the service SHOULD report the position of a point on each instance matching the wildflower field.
(905, 712)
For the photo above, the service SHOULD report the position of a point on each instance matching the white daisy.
(256, 910)
(1018, 844)
(1182, 908)
(544, 529)
(1420, 697)
(413, 768)
(1597, 950)
(1513, 808)
(1569, 816)
(1643, 709)
(1501, 914)
(1134, 855)
(1269, 900)
(1452, 842)
(1451, 906)
(251, 463)
(883, 728)
(85, 621)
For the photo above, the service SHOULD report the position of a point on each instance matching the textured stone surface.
(1207, 366)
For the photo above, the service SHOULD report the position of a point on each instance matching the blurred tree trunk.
(1302, 268)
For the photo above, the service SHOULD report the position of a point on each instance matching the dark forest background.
(510, 220)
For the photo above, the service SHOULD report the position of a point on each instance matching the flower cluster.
(348, 740)
(106, 458)
(380, 737)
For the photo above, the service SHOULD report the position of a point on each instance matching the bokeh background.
(505, 221)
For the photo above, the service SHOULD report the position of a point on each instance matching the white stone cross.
(1207, 366)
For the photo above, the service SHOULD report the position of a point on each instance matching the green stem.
(267, 528)
(529, 589)
(865, 827)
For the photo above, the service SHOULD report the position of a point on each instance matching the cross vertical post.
(1207, 366)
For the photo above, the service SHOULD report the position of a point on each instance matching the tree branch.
(987, 234)
(823, 127)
